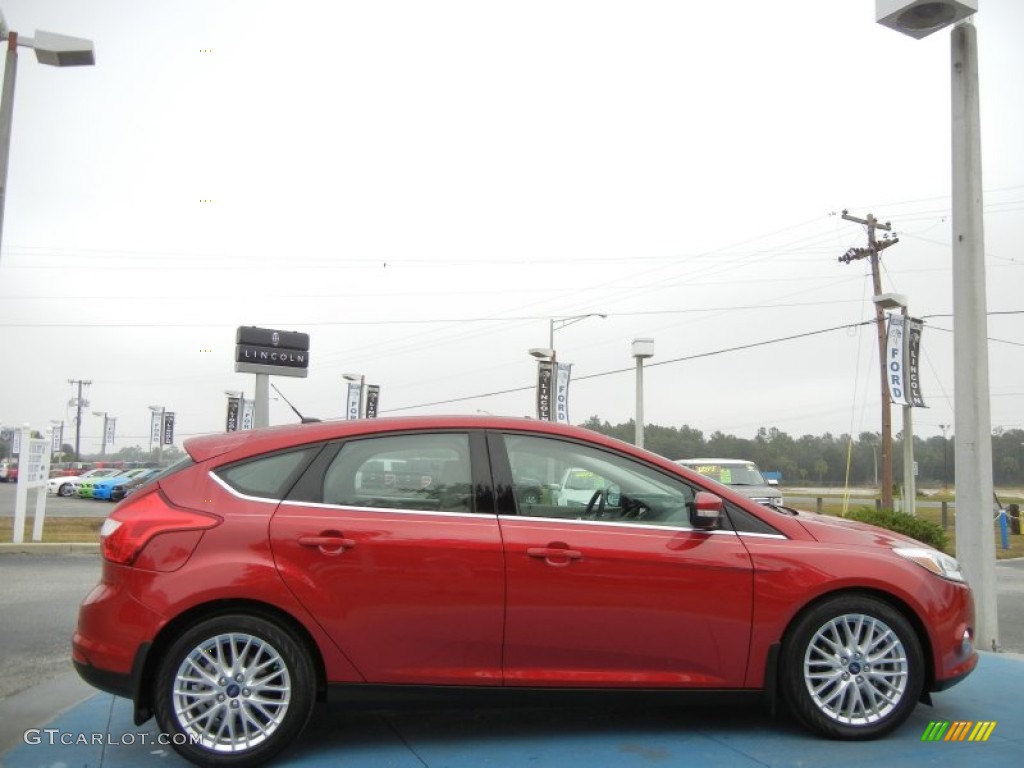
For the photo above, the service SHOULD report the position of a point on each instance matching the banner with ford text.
(58, 439)
(372, 401)
(544, 372)
(562, 392)
(248, 413)
(894, 366)
(352, 400)
(903, 353)
(108, 425)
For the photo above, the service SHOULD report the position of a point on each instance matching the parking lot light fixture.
(52, 49)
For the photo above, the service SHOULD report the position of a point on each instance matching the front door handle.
(556, 556)
(329, 542)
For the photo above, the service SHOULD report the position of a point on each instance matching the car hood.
(838, 530)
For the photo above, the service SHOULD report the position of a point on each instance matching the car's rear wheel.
(234, 689)
(852, 668)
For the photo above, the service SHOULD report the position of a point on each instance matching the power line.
(630, 369)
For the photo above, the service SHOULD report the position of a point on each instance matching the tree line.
(824, 459)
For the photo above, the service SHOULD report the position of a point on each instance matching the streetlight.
(55, 50)
(972, 436)
(103, 436)
(566, 321)
(642, 349)
(547, 364)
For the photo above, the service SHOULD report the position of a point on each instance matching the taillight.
(139, 519)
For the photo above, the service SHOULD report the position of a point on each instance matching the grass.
(66, 529)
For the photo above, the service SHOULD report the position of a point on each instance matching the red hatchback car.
(378, 560)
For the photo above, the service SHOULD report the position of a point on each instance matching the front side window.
(428, 472)
(563, 479)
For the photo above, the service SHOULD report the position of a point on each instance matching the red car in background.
(378, 560)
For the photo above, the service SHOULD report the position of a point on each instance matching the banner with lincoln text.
(544, 374)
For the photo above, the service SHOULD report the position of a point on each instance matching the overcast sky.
(420, 186)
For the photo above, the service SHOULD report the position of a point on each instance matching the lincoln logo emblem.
(275, 339)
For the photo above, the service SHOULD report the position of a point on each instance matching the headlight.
(937, 562)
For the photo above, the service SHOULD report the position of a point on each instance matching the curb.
(50, 548)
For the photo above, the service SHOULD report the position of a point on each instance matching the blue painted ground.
(555, 738)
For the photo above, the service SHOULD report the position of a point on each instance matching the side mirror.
(707, 511)
(772, 481)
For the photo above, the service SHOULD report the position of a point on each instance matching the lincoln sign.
(280, 353)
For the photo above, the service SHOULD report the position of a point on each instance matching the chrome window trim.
(641, 526)
(239, 494)
(390, 510)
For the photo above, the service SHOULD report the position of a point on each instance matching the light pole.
(55, 50)
(972, 436)
(945, 457)
(642, 349)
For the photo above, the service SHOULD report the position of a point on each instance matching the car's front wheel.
(852, 668)
(234, 690)
(65, 490)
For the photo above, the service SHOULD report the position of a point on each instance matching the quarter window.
(428, 472)
(267, 477)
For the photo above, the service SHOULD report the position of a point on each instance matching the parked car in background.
(73, 484)
(120, 490)
(8, 472)
(274, 568)
(742, 476)
(578, 487)
(103, 488)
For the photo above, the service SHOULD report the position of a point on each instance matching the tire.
(220, 667)
(852, 668)
(65, 490)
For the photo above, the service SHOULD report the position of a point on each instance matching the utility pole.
(79, 403)
(873, 252)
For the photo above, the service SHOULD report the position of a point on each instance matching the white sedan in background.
(68, 486)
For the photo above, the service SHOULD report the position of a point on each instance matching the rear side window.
(267, 477)
(428, 472)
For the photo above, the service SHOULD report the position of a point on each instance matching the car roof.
(252, 442)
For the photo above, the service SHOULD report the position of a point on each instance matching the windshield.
(729, 472)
